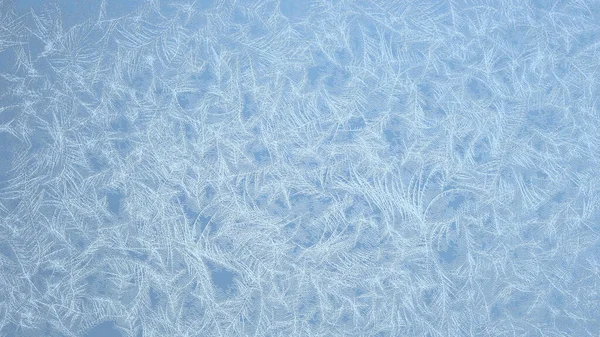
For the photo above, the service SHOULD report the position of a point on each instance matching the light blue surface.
(299, 168)
(104, 329)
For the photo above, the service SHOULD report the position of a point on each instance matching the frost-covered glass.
(299, 168)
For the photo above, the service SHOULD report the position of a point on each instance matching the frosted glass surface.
(299, 168)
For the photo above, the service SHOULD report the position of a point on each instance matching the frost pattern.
(299, 168)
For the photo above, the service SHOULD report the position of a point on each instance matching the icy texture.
(299, 168)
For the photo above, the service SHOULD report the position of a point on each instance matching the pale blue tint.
(299, 168)
(105, 329)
